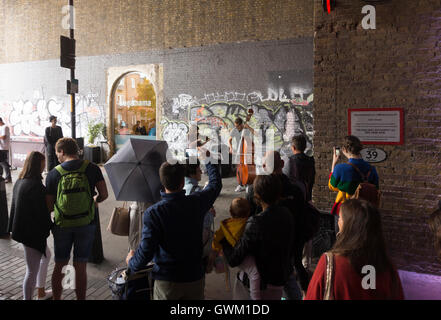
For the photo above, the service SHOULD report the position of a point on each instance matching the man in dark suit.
(52, 134)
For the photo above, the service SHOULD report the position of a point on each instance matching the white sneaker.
(240, 189)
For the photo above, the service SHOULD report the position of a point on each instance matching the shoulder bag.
(329, 280)
(119, 223)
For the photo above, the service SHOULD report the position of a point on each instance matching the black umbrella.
(134, 170)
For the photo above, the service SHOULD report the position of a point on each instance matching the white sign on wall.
(373, 155)
(377, 125)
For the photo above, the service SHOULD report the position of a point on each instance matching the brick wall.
(396, 65)
(30, 29)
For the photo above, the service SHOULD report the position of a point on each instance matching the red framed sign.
(377, 125)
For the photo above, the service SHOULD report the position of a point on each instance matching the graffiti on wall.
(185, 101)
(175, 133)
(29, 118)
(215, 114)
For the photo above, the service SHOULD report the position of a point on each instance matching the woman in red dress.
(361, 268)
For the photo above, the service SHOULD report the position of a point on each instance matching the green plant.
(94, 131)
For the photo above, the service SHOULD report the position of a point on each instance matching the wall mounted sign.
(377, 125)
(373, 155)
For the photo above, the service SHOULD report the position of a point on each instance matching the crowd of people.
(263, 237)
(72, 191)
(268, 235)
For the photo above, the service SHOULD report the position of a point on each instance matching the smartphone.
(337, 151)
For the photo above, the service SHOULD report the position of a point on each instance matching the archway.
(134, 97)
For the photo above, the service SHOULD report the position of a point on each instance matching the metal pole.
(72, 75)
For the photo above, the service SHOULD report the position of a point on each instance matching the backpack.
(74, 206)
(366, 190)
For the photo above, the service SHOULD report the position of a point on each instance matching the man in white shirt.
(241, 130)
(4, 151)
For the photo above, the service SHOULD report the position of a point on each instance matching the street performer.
(241, 132)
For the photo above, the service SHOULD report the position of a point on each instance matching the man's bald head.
(273, 162)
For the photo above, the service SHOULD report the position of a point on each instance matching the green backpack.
(74, 206)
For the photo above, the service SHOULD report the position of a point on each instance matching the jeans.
(81, 238)
(36, 270)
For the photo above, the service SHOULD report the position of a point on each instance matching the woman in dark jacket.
(30, 223)
(268, 237)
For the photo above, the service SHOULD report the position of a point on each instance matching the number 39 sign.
(373, 155)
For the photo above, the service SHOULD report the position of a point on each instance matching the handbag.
(329, 294)
(119, 223)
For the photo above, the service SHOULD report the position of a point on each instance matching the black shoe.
(5, 236)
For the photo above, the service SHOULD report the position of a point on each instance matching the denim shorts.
(80, 237)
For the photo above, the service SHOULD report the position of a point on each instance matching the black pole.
(72, 73)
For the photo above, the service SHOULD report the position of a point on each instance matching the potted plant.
(92, 152)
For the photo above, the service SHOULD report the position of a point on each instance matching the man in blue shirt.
(172, 236)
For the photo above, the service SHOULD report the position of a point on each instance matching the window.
(135, 102)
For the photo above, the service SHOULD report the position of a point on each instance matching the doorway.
(134, 99)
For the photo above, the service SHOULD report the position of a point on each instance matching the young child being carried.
(231, 229)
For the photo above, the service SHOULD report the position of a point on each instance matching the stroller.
(131, 286)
